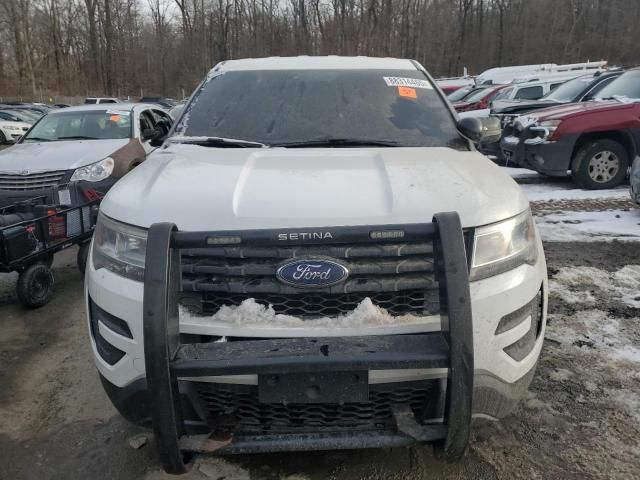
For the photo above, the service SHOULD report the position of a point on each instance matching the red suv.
(596, 141)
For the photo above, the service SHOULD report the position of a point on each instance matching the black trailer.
(32, 232)
(299, 375)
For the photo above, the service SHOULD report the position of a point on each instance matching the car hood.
(574, 109)
(9, 123)
(62, 155)
(200, 188)
(518, 106)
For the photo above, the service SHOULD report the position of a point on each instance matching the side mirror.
(481, 130)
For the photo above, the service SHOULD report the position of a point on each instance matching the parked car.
(634, 181)
(165, 102)
(11, 131)
(594, 140)
(37, 109)
(291, 230)
(91, 146)
(99, 100)
(479, 100)
(581, 89)
(61, 105)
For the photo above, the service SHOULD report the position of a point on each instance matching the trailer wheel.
(35, 286)
(83, 255)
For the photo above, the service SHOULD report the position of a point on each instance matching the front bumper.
(78, 192)
(505, 332)
(552, 158)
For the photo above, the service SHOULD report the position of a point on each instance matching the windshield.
(82, 125)
(21, 116)
(297, 106)
(460, 94)
(176, 111)
(626, 85)
(504, 93)
(479, 95)
(568, 91)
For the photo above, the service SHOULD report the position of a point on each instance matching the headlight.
(546, 128)
(11, 127)
(119, 248)
(94, 172)
(504, 246)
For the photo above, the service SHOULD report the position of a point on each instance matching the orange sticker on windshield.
(114, 118)
(407, 92)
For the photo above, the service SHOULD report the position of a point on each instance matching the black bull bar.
(167, 359)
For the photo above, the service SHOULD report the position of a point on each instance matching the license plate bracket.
(314, 387)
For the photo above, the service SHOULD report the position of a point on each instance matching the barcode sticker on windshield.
(407, 82)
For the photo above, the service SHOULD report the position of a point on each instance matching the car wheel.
(3, 139)
(35, 286)
(600, 164)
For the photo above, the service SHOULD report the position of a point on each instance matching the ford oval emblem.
(312, 273)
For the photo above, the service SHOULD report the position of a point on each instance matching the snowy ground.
(567, 213)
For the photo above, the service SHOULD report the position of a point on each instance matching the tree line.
(164, 47)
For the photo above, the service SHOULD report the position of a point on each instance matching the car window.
(289, 106)
(107, 101)
(568, 91)
(553, 86)
(160, 115)
(91, 101)
(6, 116)
(82, 125)
(626, 85)
(596, 89)
(529, 93)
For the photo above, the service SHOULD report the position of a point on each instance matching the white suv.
(317, 258)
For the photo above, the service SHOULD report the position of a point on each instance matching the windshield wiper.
(217, 142)
(78, 137)
(37, 139)
(339, 142)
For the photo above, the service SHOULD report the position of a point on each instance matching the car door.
(146, 123)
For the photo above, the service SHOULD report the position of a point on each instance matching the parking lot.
(581, 418)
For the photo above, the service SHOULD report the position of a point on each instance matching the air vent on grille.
(238, 407)
(32, 181)
(397, 277)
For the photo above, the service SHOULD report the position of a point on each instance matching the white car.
(100, 100)
(317, 258)
(11, 131)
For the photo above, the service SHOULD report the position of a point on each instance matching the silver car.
(88, 147)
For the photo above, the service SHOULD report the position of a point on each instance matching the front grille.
(399, 277)
(237, 408)
(33, 181)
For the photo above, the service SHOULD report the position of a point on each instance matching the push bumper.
(420, 360)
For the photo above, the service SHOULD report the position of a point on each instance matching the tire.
(3, 139)
(83, 255)
(600, 164)
(35, 286)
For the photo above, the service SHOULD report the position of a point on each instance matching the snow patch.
(590, 226)
(576, 284)
(568, 191)
(252, 313)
